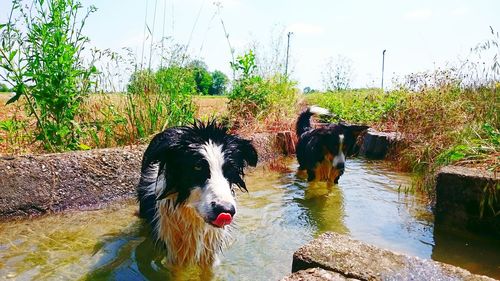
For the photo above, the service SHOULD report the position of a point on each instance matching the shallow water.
(280, 214)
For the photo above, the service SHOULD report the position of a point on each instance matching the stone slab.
(358, 260)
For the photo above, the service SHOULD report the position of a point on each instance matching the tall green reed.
(41, 55)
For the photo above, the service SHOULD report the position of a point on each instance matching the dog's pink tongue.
(222, 220)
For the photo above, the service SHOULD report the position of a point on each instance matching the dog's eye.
(199, 165)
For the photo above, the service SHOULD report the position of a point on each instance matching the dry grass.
(15, 137)
(210, 106)
(446, 126)
(6, 111)
(441, 125)
(105, 110)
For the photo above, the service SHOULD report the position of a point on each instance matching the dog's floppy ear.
(168, 188)
(161, 152)
(248, 152)
(353, 132)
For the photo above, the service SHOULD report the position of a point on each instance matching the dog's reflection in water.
(325, 176)
(152, 264)
(324, 202)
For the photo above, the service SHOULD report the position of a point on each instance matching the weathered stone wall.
(376, 144)
(338, 254)
(37, 184)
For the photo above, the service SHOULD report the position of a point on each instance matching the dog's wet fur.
(187, 180)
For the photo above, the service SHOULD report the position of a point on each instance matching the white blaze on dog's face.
(339, 159)
(216, 203)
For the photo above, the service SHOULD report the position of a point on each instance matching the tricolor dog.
(186, 189)
(322, 152)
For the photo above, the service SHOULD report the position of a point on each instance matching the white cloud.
(305, 28)
(418, 15)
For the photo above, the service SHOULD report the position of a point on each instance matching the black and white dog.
(186, 189)
(322, 152)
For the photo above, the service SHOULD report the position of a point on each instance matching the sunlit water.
(280, 214)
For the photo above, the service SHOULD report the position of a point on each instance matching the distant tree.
(198, 64)
(219, 82)
(307, 90)
(201, 76)
(4, 88)
(337, 74)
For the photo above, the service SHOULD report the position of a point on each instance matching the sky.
(418, 35)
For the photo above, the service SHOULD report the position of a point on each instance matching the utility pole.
(287, 53)
(383, 61)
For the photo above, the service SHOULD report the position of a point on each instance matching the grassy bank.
(440, 126)
(367, 106)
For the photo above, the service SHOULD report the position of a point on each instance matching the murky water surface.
(278, 215)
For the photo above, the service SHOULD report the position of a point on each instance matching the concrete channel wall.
(468, 198)
(32, 185)
(376, 145)
(39, 184)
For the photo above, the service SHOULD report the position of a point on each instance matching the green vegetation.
(208, 83)
(41, 55)
(254, 97)
(366, 106)
(219, 83)
(448, 125)
(41, 58)
(4, 88)
(157, 100)
(202, 77)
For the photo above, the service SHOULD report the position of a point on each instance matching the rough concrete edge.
(301, 261)
(461, 171)
(375, 145)
(54, 182)
(264, 143)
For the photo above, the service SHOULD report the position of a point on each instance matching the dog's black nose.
(340, 166)
(225, 207)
